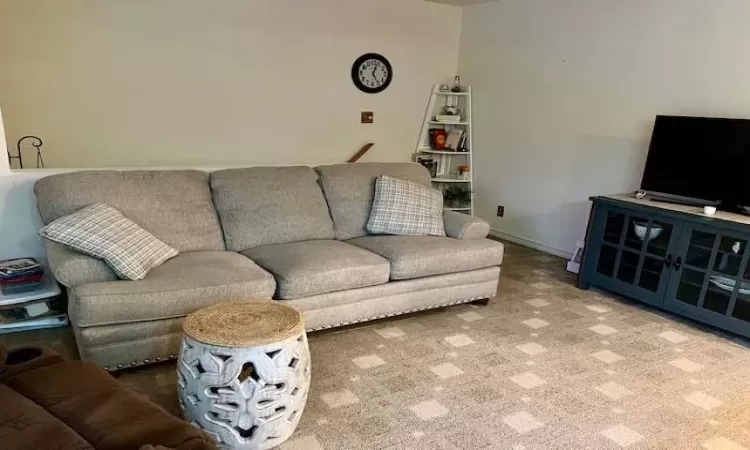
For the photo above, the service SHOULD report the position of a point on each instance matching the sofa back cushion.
(350, 188)
(173, 205)
(270, 205)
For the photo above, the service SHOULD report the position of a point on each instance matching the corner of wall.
(4, 164)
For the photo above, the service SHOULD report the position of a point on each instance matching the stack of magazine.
(29, 298)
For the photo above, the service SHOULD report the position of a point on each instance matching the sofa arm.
(462, 226)
(72, 269)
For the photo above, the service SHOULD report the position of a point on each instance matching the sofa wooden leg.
(482, 302)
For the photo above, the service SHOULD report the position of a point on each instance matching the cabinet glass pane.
(689, 290)
(638, 231)
(729, 256)
(628, 266)
(742, 308)
(660, 233)
(613, 227)
(699, 250)
(606, 263)
(651, 273)
(717, 299)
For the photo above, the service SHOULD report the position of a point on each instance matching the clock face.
(372, 73)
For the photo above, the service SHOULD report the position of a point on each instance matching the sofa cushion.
(405, 208)
(26, 425)
(316, 267)
(422, 256)
(173, 205)
(270, 205)
(349, 190)
(185, 283)
(101, 231)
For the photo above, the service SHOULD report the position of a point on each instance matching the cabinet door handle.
(668, 261)
(678, 263)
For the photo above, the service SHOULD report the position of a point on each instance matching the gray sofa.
(295, 234)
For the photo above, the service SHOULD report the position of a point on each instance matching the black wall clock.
(372, 73)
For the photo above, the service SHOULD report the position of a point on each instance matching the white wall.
(566, 94)
(200, 82)
(4, 166)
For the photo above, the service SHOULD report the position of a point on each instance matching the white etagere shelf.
(446, 161)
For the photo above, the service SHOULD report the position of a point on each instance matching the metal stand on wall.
(36, 143)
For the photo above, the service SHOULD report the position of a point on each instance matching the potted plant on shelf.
(457, 197)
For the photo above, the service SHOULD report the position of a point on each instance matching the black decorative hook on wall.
(36, 143)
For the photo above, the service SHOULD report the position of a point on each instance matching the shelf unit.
(447, 160)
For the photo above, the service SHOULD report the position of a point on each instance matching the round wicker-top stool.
(244, 372)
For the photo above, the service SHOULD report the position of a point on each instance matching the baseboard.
(536, 245)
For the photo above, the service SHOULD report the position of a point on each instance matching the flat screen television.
(699, 158)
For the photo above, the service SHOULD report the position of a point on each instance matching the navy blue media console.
(672, 257)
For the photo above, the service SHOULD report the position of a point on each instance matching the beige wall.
(568, 91)
(4, 166)
(200, 82)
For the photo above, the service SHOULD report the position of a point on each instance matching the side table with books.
(29, 297)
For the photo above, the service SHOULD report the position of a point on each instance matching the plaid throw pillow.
(101, 231)
(405, 208)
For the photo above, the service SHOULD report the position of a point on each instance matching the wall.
(198, 82)
(4, 166)
(567, 91)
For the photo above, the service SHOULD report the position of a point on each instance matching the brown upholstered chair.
(51, 403)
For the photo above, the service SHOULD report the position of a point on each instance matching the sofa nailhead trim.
(364, 319)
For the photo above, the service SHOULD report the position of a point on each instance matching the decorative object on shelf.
(453, 140)
(463, 171)
(429, 163)
(457, 85)
(438, 138)
(243, 373)
(728, 284)
(452, 110)
(36, 143)
(456, 197)
(372, 73)
(462, 145)
(639, 194)
(447, 118)
(641, 229)
(444, 88)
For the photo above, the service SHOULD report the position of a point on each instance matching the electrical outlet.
(500, 211)
(367, 117)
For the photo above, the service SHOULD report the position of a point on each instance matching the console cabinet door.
(711, 280)
(631, 252)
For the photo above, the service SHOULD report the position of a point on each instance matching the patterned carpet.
(543, 366)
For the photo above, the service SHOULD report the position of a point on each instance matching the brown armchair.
(56, 404)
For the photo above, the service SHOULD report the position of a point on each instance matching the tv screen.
(701, 158)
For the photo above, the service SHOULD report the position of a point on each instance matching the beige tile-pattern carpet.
(543, 366)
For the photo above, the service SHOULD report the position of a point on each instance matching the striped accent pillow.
(405, 208)
(101, 231)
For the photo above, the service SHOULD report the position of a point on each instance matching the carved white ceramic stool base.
(247, 396)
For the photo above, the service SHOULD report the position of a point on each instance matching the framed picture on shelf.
(438, 138)
(453, 141)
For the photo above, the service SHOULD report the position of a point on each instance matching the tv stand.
(673, 257)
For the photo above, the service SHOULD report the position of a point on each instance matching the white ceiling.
(461, 2)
